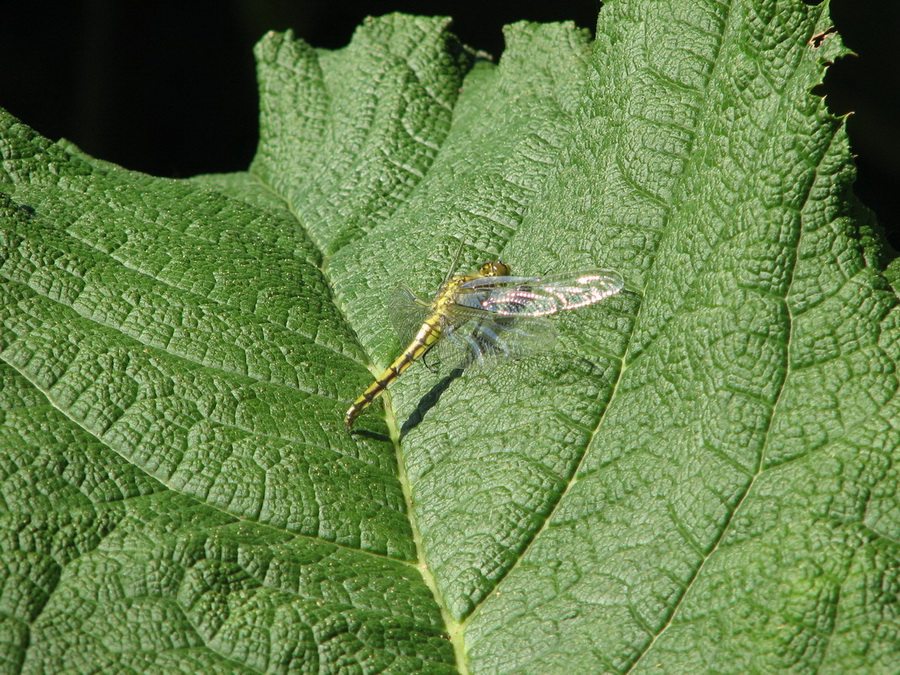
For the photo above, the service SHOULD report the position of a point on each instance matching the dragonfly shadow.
(374, 435)
(429, 400)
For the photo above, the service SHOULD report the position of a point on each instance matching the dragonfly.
(485, 315)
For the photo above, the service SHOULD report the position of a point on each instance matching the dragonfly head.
(495, 268)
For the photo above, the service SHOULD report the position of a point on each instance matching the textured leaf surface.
(702, 478)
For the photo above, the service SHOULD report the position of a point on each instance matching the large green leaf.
(702, 478)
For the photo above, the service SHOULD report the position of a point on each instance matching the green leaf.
(703, 478)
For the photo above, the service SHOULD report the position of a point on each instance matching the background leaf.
(703, 475)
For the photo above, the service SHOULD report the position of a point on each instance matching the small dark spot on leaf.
(816, 40)
(27, 209)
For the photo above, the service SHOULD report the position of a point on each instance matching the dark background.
(169, 87)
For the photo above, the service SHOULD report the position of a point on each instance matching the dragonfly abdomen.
(427, 335)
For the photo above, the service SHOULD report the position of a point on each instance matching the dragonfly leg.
(433, 368)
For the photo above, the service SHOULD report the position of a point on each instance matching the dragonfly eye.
(495, 268)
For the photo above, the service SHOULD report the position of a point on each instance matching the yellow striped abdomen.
(428, 334)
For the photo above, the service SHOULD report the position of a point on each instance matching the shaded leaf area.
(191, 336)
(107, 568)
(197, 338)
(703, 473)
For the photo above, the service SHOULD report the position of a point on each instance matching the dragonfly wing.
(478, 336)
(539, 296)
(407, 312)
(514, 338)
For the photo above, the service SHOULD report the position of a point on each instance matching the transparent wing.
(496, 318)
(407, 312)
(478, 336)
(538, 296)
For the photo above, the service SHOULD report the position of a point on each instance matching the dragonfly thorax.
(447, 294)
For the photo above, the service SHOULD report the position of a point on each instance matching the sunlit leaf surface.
(701, 478)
